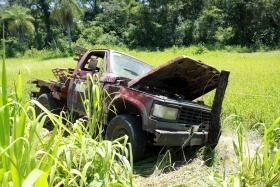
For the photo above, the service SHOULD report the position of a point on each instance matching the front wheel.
(131, 126)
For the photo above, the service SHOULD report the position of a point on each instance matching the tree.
(19, 21)
(22, 3)
(45, 8)
(114, 18)
(143, 27)
(91, 8)
(143, 23)
(206, 26)
(253, 22)
(65, 12)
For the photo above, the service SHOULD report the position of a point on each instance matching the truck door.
(77, 91)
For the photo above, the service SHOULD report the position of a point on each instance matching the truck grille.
(194, 116)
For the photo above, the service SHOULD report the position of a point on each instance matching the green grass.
(253, 91)
(33, 69)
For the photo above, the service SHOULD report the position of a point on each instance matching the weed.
(259, 169)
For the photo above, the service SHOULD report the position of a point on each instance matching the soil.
(192, 168)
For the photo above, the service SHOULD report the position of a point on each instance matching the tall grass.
(31, 156)
(18, 149)
(83, 161)
(93, 102)
(20, 138)
(258, 169)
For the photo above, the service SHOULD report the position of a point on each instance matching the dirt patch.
(195, 171)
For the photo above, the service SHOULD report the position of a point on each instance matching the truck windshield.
(128, 66)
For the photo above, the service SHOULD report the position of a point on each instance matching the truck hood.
(182, 76)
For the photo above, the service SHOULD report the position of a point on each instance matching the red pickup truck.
(150, 105)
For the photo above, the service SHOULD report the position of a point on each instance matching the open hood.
(181, 76)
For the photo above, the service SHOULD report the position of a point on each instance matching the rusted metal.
(182, 75)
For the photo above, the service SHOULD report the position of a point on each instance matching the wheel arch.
(44, 89)
(122, 106)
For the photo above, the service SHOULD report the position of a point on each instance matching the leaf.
(235, 149)
(115, 184)
(36, 178)
(236, 182)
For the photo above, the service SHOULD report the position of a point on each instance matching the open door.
(92, 62)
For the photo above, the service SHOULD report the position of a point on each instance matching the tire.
(47, 100)
(131, 126)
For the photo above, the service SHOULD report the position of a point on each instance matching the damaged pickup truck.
(154, 106)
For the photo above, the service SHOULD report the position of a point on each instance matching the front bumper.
(180, 138)
(178, 134)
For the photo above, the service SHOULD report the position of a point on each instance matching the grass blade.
(4, 114)
(36, 178)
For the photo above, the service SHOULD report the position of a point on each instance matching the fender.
(134, 102)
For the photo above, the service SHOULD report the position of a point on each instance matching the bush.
(13, 48)
(224, 35)
(207, 24)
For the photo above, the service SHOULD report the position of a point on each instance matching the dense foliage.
(56, 24)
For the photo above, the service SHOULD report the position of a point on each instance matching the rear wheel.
(131, 126)
(47, 100)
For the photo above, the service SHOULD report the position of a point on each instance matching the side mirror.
(121, 82)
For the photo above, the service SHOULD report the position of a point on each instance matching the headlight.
(165, 112)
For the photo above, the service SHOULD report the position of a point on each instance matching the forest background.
(32, 25)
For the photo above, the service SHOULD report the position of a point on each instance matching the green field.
(252, 97)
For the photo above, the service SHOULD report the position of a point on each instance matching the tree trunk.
(47, 22)
(69, 34)
(20, 35)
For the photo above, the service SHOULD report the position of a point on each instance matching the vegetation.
(65, 12)
(55, 24)
(19, 22)
(260, 168)
(30, 156)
